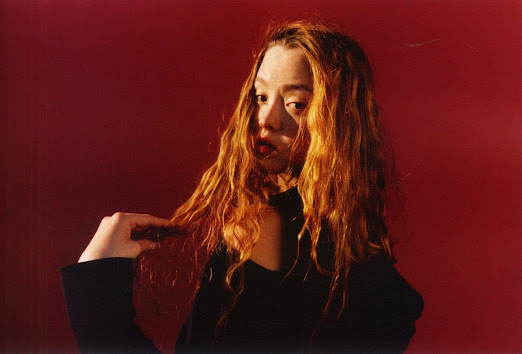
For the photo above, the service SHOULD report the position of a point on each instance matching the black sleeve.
(98, 295)
(381, 313)
(399, 305)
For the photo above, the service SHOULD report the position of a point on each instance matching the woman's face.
(283, 89)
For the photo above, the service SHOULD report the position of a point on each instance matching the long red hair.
(341, 182)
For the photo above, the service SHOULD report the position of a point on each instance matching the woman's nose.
(270, 116)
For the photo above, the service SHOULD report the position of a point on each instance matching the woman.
(294, 207)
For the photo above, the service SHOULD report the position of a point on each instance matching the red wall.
(114, 105)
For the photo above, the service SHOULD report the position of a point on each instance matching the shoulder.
(390, 292)
(382, 305)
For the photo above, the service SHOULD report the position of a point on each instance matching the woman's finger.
(114, 237)
(146, 245)
(141, 220)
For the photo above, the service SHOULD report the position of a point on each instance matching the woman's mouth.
(265, 147)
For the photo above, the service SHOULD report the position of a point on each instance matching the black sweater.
(277, 310)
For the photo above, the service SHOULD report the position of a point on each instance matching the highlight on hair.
(341, 181)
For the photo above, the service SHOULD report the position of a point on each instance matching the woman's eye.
(298, 105)
(261, 98)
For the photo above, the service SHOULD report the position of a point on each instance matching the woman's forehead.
(286, 66)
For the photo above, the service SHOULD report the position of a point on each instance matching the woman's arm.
(98, 290)
(98, 295)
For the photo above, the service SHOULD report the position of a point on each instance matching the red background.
(115, 105)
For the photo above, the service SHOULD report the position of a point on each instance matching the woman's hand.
(113, 237)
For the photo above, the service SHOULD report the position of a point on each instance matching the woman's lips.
(265, 147)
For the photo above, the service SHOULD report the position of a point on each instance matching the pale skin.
(283, 88)
(113, 237)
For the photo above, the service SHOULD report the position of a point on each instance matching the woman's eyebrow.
(286, 87)
(259, 80)
(292, 87)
